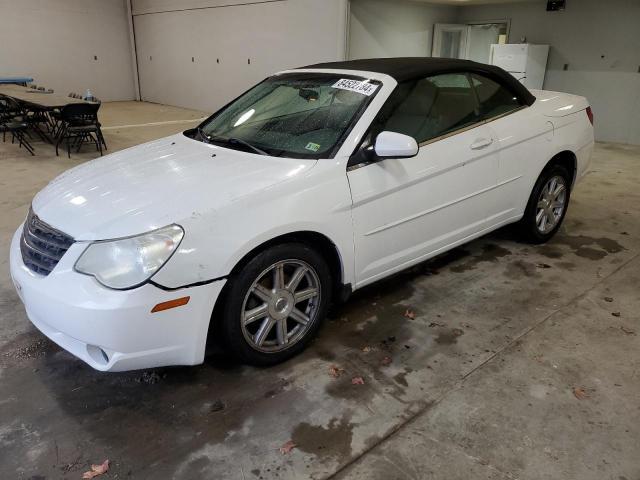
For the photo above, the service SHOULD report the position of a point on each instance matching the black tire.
(238, 340)
(528, 225)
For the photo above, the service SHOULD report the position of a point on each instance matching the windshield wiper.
(205, 138)
(238, 141)
(247, 144)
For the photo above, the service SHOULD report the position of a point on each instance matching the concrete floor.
(480, 385)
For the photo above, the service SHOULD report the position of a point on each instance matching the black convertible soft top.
(412, 68)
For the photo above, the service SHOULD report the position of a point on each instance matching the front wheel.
(547, 205)
(275, 304)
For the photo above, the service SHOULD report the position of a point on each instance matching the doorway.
(471, 41)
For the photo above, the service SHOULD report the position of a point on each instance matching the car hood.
(155, 184)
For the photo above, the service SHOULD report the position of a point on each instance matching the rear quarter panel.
(528, 139)
(572, 129)
(574, 132)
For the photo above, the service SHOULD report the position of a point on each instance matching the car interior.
(424, 110)
(294, 132)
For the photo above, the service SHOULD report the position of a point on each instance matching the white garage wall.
(222, 36)
(394, 28)
(600, 42)
(55, 42)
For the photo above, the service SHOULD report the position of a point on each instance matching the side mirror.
(395, 145)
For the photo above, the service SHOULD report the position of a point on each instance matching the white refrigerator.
(526, 62)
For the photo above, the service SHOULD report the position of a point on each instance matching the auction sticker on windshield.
(314, 147)
(357, 86)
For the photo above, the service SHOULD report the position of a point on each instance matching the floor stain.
(449, 336)
(344, 389)
(324, 353)
(433, 266)
(490, 253)
(401, 377)
(583, 245)
(520, 268)
(334, 440)
(590, 253)
(550, 251)
(566, 265)
(281, 386)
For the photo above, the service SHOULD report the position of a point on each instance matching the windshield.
(299, 115)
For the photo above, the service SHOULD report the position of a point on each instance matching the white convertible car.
(314, 183)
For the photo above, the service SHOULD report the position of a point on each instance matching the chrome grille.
(42, 246)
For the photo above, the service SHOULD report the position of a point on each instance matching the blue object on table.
(16, 80)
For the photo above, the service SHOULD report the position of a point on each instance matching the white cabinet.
(526, 62)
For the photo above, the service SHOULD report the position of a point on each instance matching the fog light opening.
(98, 355)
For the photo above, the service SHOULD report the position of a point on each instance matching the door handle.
(481, 143)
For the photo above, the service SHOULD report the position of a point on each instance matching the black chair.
(39, 121)
(56, 118)
(55, 115)
(12, 120)
(56, 123)
(98, 101)
(9, 106)
(79, 124)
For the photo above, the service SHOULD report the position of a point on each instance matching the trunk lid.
(557, 104)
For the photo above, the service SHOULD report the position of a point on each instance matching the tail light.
(590, 114)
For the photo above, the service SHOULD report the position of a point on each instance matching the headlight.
(129, 262)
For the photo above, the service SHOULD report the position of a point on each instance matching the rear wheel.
(275, 304)
(547, 205)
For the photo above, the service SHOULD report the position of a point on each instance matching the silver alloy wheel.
(551, 204)
(281, 306)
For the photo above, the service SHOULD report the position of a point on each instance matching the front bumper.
(113, 330)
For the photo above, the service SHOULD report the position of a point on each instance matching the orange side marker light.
(178, 302)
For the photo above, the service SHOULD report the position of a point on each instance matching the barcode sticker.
(357, 86)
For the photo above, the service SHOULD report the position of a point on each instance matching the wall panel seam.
(208, 8)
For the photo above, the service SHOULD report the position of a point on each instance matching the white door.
(450, 40)
(405, 210)
(480, 39)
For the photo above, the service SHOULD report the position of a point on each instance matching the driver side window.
(430, 107)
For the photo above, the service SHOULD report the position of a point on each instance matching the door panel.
(522, 138)
(407, 209)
